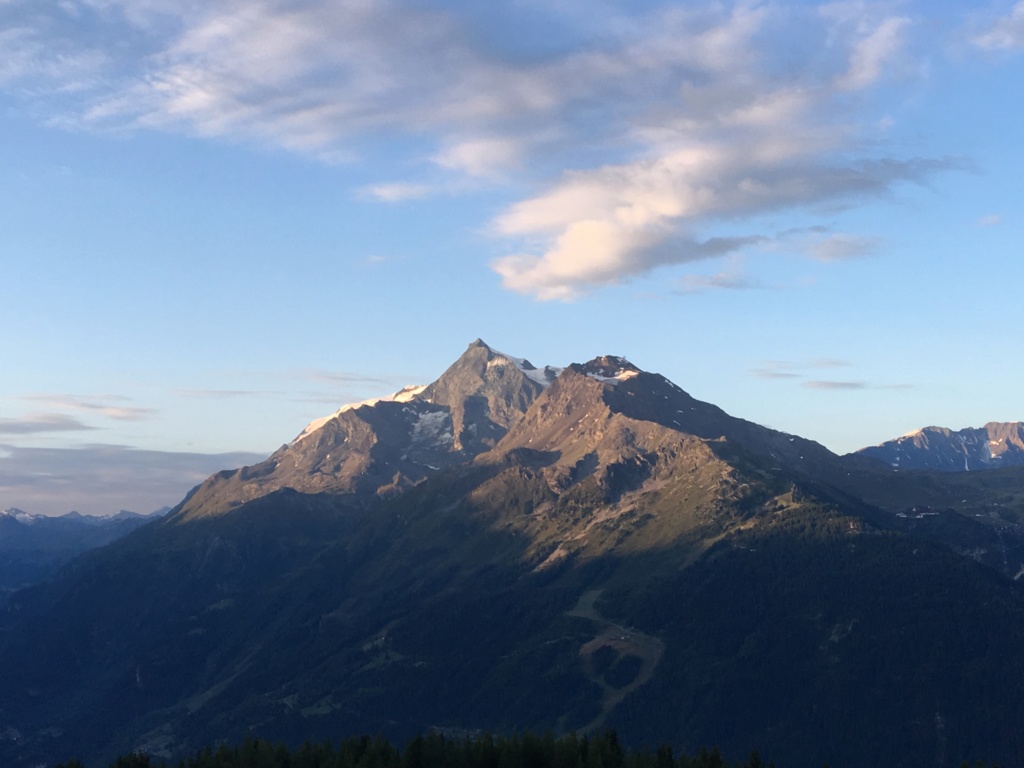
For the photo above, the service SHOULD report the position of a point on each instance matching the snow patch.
(404, 395)
(26, 518)
(618, 377)
(430, 427)
(543, 376)
(407, 394)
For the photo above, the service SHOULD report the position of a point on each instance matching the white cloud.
(736, 142)
(481, 156)
(872, 38)
(601, 226)
(872, 52)
(588, 251)
(703, 116)
(990, 220)
(1006, 33)
(396, 192)
(303, 75)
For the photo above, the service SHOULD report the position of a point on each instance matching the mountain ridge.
(385, 445)
(996, 444)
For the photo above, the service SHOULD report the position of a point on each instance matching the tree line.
(437, 750)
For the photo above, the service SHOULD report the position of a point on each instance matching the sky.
(221, 219)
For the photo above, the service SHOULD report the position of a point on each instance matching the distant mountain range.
(34, 547)
(515, 546)
(996, 445)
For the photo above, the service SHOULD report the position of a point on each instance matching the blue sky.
(223, 219)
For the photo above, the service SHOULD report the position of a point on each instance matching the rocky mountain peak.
(607, 368)
(486, 391)
(385, 445)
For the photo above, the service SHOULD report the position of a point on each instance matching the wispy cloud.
(101, 479)
(777, 369)
(731, 280)
(835, 385)
(829, 362)
(990, 220)
(1006, 33)
(739, 143)
(223, 393)
(822, 244)
(338, 377)
(108, 406)
(299, 385)
(704, 115)
(874, 46)
(481, 156)
(791, 369)
(41, 423)
(829, 384)
(801, 373)
(335, 388)
(32, 59)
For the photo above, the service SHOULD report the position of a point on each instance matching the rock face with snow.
(383, 446)
(487, 406)
(996, 445)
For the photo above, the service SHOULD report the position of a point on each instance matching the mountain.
(996, 445)
(557, 549)
(385, 446)
(34, 547)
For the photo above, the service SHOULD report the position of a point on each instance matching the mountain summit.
(383, 446)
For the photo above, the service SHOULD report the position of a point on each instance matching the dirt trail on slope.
(628, 664)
